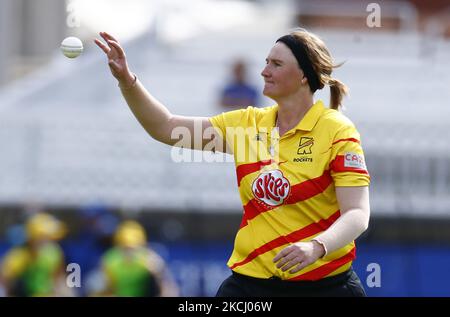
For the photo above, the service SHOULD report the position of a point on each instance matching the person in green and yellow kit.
(38, 267)
(133, 269)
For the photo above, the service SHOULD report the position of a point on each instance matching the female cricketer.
(300, 171)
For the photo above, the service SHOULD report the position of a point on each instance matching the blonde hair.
(323, 65)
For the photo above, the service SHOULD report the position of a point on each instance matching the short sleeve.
(347, 163)
(231, 119)
(227, 119)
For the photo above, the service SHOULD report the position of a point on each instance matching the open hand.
(298, 256)
(116, 58)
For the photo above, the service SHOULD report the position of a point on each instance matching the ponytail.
(337, 92)
(322, 66)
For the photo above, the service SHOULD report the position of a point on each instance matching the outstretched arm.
(154, 117)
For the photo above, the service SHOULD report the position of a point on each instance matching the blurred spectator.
(131, 268)
(239, 93)
(37, 268)
(92, 238)
(95, 235)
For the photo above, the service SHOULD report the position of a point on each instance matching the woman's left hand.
(298, 255)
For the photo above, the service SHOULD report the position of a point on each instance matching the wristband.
(322, 244)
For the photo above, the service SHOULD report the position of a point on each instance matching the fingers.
(292, 258)
(112, 44)
(295, 261)
(289, 261)
(106, 36)
(286, 259)
(299, 267)
(119, 49)
(282, 254)
(104, 48)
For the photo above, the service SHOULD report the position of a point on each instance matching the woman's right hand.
(116, 59)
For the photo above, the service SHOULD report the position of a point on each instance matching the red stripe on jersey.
(299, 192)
(252, 209)
(346, 140)
(342, 140)
(245, 169)
(326, 269)
(309, 188)
(292, 237)
(338, 166)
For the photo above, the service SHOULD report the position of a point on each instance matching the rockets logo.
(305, 145)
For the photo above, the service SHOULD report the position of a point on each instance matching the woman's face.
(282, 75)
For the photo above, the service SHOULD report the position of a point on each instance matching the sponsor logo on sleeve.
(354, 160)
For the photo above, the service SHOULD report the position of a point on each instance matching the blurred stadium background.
(70, 146)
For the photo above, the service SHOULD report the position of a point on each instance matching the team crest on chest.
(271, 187)
(305, 145)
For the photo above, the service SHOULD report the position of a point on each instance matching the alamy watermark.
(73, 278)
(374, 18)
(247, 144)
(374, 278)
(73, 18)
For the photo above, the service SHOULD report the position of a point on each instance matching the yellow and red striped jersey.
(287, 185)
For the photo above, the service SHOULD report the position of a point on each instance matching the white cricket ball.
(72, 47)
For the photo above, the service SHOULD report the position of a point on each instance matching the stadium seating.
(74, 141)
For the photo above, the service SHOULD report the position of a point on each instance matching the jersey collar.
(306, 124)
(311, 117)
